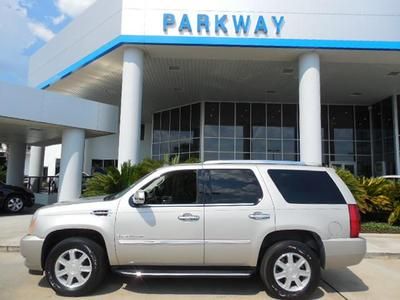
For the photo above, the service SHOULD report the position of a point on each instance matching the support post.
(131, 107)
(310, 109)
(396, 134)
(70, 181)
(16, 164)
(36, 167)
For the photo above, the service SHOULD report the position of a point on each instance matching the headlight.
(32, 226)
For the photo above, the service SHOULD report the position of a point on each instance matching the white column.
(310, 109)
(72, 151)
(131, 106)
(36, 166)
(396, 134)
(16, 164)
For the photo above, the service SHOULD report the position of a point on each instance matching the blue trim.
(223, 42)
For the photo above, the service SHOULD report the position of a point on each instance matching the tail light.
(355, 221)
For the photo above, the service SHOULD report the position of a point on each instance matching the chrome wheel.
(15, 204)
(292, 272)
(73, 268)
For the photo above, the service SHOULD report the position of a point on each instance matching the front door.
(168, 229)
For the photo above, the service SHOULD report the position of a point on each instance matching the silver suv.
(282, 221)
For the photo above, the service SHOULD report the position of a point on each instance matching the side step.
(174, 272)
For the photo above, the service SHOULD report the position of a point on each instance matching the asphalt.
(373, 279)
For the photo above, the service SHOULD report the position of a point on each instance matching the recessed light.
(356, 94)
(174, 68)
(271, 92)
(178, 89)
(288, 71)
(393, 74)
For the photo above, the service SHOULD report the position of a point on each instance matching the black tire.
(14, 204)
(271, 256)
(98, 261)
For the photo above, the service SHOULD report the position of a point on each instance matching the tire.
(93, 267)
(14, 203)
(277, 258)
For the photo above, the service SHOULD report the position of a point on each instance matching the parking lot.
(376, 278)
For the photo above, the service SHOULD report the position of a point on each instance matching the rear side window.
(306, 187)
(232, 186)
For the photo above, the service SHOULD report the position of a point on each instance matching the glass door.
(347, 165)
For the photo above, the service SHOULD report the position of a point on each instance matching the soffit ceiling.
(178, 75)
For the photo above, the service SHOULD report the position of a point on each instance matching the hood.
(80, 201)
(16, 188)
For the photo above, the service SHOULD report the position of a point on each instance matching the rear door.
(238, 215)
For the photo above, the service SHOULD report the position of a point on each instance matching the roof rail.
(265, 162)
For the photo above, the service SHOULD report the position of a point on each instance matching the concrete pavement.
(372, 279)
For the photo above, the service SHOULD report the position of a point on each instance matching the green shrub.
(114, 180)
(376, 197)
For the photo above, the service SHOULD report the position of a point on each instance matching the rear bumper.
(340, 253)
(31, 250)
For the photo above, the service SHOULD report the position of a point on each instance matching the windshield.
(123, 192)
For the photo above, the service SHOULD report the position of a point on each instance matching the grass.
(374, 227)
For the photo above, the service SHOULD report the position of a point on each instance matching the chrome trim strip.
(161, 242)
(182, 242)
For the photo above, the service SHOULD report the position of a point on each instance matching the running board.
(133, 272)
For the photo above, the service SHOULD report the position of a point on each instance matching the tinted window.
(306, 187)
(232, 186)
(178, 187)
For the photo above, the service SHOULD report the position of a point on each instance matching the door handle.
(188, 217)
(258, 215)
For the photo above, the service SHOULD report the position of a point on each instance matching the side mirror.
(139, 198)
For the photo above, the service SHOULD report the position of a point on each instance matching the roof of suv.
(257, 162)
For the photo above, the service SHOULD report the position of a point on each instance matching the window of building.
(178, 187)
(232, 186)
(101, 165)
(306, 187)
(176, 132)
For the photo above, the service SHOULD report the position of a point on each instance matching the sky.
(27, 25)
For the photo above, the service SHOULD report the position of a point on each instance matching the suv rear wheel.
(75, 267)
(290, 270)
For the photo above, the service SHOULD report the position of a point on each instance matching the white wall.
(52, 153)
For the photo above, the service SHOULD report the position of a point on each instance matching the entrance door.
(347, 165)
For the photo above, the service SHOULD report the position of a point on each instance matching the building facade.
(313, 81)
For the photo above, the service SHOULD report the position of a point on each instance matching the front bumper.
(31, 250)
(340, 253)
(29, 200)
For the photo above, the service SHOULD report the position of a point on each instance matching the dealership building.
(312, 81)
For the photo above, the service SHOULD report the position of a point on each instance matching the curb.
(383, 255)
(11, 249)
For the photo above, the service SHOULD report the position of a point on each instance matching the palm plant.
(380, 194)
(356, 189)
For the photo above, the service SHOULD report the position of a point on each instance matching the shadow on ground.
(218, 287)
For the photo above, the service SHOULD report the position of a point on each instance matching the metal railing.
(46, 184)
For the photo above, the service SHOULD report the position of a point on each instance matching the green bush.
(114, 180)
(375, 197)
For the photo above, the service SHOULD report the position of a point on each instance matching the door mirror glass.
(139, 198)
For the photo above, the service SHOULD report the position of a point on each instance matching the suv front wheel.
(290, 270)
(75, 267)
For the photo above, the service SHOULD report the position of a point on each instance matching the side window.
(232, 186)
(306, 187)
(178, 187)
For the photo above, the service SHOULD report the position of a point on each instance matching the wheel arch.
(307, 237)
(57, 236)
